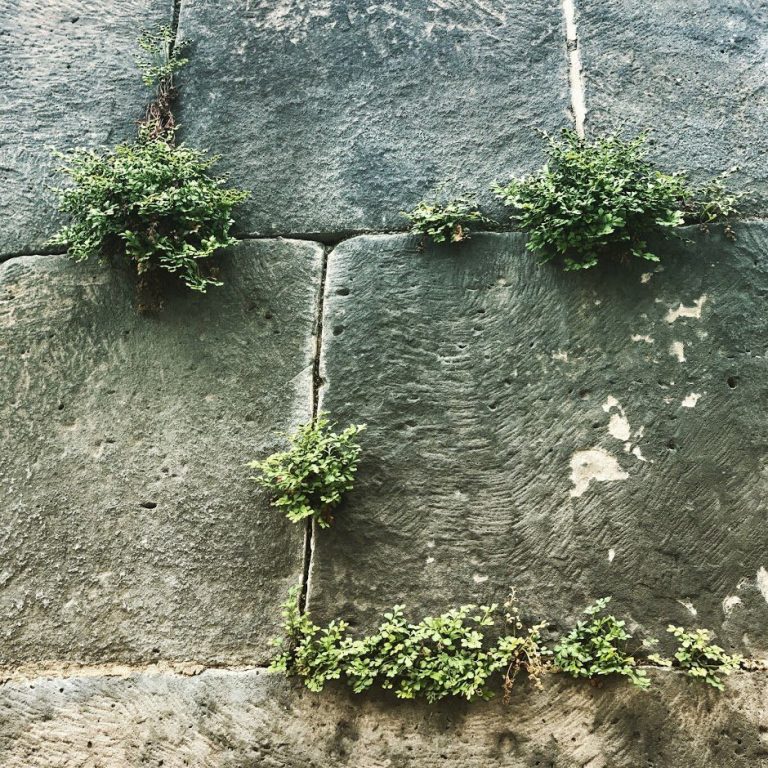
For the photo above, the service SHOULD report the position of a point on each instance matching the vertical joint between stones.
(575, 73)
(317, 383)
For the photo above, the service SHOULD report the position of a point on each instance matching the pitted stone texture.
(69, 80)
(693, 73)
(129, 528)
(337, 115)
(223, 719)
(535, 429)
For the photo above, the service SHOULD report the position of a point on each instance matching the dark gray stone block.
(129, 528)
(232, 719)
(693, 73)
(337, 115)
(69, 80)
(570, 435)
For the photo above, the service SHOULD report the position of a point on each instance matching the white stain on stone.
(683, 311)
(618, 425)
(688, 605)
(762, 583)
(691, 400)
(639, 337)
(638, 454)
(560, 355)
(594, 464)
(646, 277)
(611, 555)
(430, 560)
(478, 579)
(677, 349)
(730, 602)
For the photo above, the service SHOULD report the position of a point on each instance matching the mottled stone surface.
(128, 527)
(251, 719)
(693, 73)
(570, 435)
(69, 80)
(337, 115)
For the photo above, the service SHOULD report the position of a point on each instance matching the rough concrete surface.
(69, 80)
(251, 719)
(693, 73)
(128, 527)
(569, 435)
(339, 115)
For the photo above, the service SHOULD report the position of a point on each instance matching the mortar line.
(175, 14)
(317, 383)
(575, 78)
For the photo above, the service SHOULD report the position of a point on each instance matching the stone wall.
(568, 435)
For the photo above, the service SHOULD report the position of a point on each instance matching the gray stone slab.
(693, 73)
(570, 435)
(69, 80)
(128, 527)
(223, 719)
(337, 115)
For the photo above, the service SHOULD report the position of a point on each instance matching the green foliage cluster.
(445, 222)
(597, 647)
(149, 201)
(310, 478)
(152, 201)
(446, 655)
(600, 198)
(698, 657)
(160, 57)
(454, 654)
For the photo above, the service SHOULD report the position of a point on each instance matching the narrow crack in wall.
(317, 383)
(578, 103)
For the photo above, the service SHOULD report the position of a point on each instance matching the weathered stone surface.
(570, 435)
(226, 719)
(68, 80)
(129, 528)
(337, 115)
(694, 73)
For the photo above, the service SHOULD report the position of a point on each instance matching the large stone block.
(337, 115)
(223, 719)
(693, 73)
(129, 529)
(570, 435)
(69, 80)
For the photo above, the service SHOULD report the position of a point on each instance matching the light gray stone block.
(128, 527)
(338, 115)
(693, 73)
(246, 719)
(69, 80)
(570, 435)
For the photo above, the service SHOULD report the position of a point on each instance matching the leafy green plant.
(597, 647)
(698, 657)
(149, 201)
(441, 656)
(445, 221)
(310, 478)
(599, 198)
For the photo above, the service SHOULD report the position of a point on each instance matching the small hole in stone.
(342, 292)
(672, 444)
(61, 406)
(338, 330)
(267, 315)
(732, 382)
(148, 504)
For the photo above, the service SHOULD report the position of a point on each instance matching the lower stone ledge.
(252, 718)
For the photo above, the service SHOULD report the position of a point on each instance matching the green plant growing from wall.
(149, 201)
(698, 657)
(311, 477)
(445, 222)
(437, 657)
(602, 198)
(597, 647)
